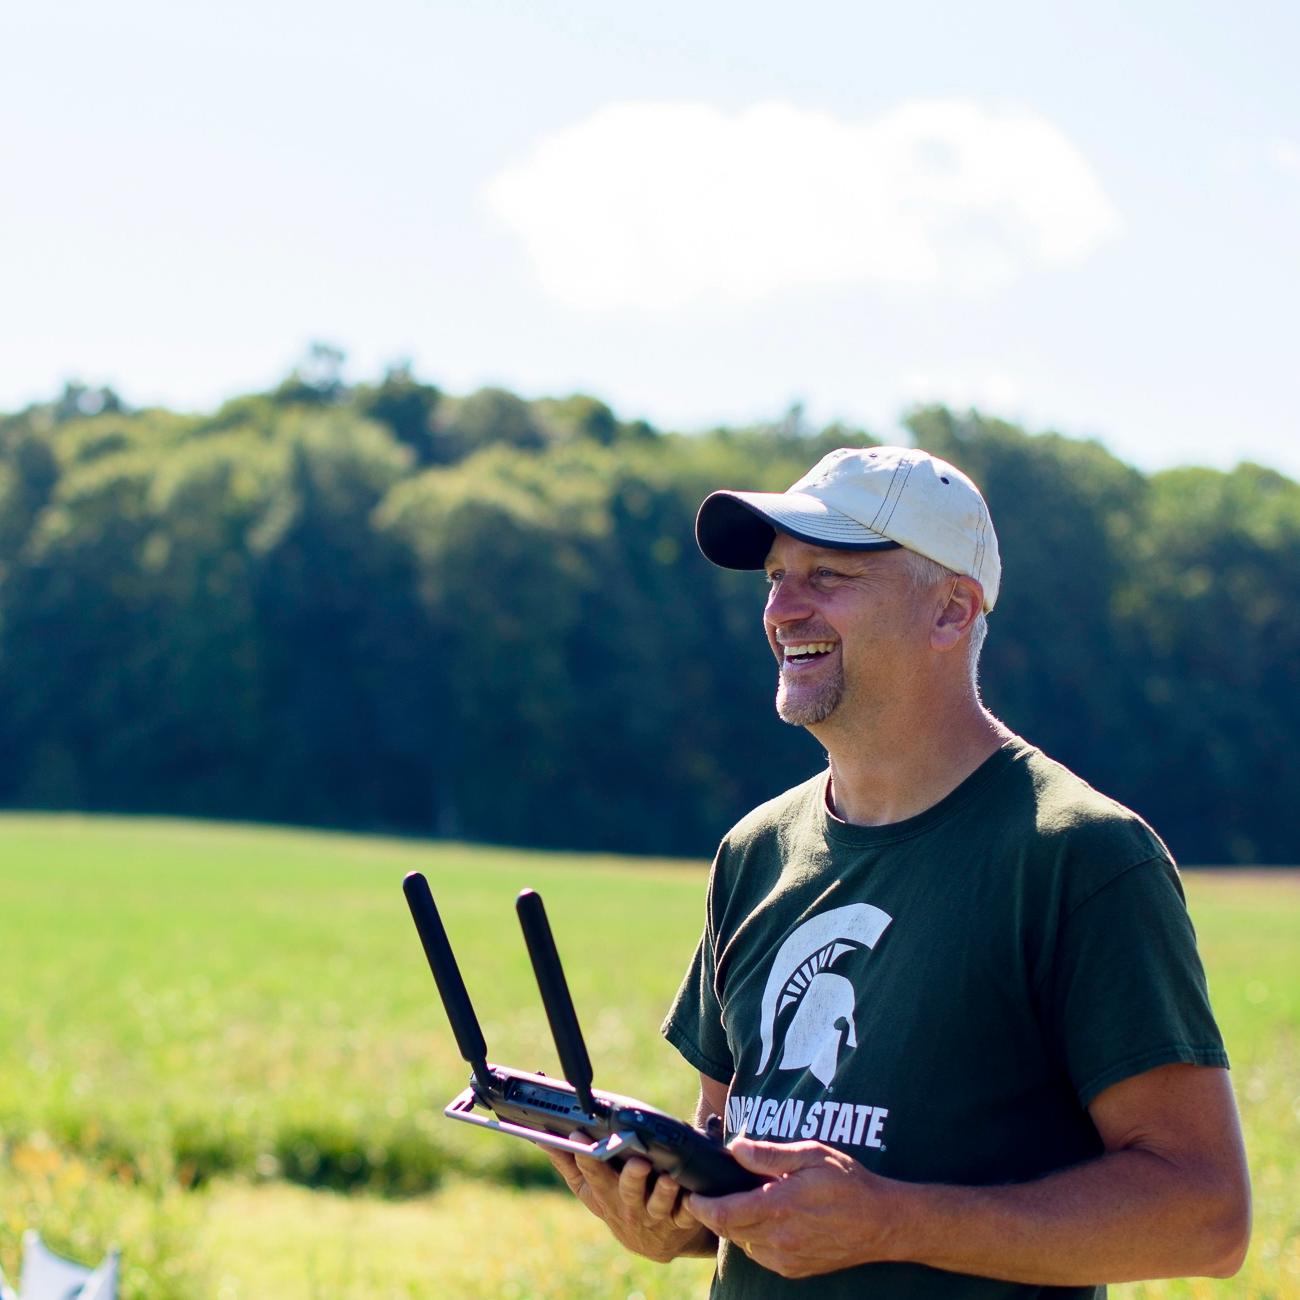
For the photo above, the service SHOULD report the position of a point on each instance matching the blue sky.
(1082, 217)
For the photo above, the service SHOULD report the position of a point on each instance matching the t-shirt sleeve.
(694, 1022)
(1127, 992)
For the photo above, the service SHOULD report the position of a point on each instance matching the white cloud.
(652, 205)
(1286, 156)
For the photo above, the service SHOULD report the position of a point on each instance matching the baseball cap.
(862, 499)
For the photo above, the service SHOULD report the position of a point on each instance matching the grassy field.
(223, 1052)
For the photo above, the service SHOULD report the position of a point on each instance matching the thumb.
(775, 1158)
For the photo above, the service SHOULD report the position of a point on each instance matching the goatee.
(806, 705)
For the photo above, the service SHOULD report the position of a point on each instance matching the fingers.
(632, 1182)
(728, 1215)
(565, 1166)
(656, 1196)
(776, 1158)
(664, 1198)
(629, 1195)
(707, 1211)
(682, 1216)
(586, 1166)
(596, 1172)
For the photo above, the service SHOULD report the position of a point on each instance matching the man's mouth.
(807, 652)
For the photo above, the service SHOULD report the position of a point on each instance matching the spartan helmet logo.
(800, 974)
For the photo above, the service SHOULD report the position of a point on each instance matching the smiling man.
(947, 997)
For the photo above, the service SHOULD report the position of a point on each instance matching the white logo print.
(800, 974)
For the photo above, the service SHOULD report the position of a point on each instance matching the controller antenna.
(555, 997)
(464, 1023)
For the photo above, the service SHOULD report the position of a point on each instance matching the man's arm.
(648, 1219)
(1169, 1198)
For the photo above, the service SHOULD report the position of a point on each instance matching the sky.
(1078, 217)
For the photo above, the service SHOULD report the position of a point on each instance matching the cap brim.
(735, 529)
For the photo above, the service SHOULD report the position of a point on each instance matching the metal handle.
(461, 1107)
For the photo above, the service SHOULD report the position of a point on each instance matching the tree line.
(382, 606)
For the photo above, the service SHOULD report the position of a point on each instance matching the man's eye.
(827, 573)
(773, 577)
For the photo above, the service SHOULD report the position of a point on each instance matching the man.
(947, 997)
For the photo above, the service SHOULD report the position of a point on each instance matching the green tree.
(407, 408)
(568, 419)
(341, 640)
(1213, 644)
(375, 606)
(1065, 513)
(486, 418)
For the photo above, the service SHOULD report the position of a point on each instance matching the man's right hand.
(649, 1219)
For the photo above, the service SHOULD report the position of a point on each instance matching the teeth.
(809, 648)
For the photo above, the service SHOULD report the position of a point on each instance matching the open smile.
(806, 653)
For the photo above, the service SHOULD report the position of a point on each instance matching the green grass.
(209, 1034)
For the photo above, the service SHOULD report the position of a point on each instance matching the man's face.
(845, 627)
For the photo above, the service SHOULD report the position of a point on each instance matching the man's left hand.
(822, 1210)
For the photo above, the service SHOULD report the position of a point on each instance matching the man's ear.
(953, 621)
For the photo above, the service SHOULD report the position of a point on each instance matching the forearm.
(1127, 1215)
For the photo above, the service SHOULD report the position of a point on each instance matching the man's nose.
(787, 602)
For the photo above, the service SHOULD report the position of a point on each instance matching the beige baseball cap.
(862, 499)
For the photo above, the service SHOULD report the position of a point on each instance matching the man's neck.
(895, 772)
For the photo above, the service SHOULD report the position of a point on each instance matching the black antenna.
(555, 996)
(464, 1023)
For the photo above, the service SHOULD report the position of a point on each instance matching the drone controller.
(547, 1111)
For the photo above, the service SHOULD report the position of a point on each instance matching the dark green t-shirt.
(940, 998)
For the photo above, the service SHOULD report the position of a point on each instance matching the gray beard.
(808, 708)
